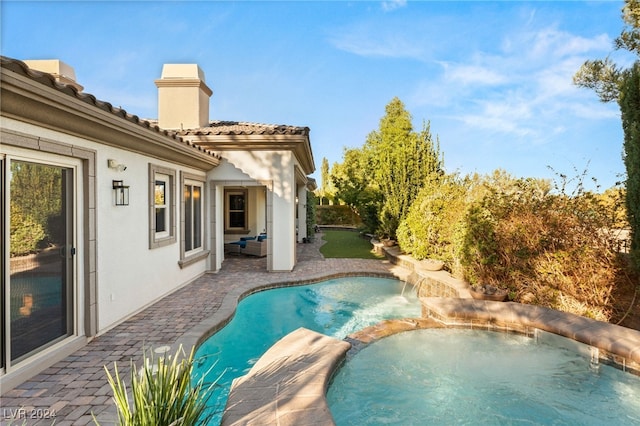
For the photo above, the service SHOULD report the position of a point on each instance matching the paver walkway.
(76, 387)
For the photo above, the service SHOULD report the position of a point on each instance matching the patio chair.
(257, 247)
(236, 247)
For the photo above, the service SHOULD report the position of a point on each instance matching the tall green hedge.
(337, 215)
(630, 111)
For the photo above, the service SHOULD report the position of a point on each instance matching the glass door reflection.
(41, 256)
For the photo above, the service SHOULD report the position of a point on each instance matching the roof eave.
(300, 145)
(31, 99)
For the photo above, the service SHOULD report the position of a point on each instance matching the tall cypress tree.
(400, 162)
(629, 101)
(612, 83)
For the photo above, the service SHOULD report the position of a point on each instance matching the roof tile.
(46, 79)
(220, 127)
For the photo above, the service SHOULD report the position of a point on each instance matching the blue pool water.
(469, 377)
(336, 308)
(45, 291)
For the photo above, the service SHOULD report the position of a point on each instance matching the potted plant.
(432, 264)
(388, 242)
(488, 292)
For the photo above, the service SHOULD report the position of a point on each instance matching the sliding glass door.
(40, 261)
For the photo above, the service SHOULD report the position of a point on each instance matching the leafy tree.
(603, 75)
(324, 172)
(614, 83)
(431, 229)
(353, 186)
(36, 207)
(400, 162)
(26, 232)
(382, 179)
(613, 199)
(311, 213)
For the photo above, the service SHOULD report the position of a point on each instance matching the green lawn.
(347, 244)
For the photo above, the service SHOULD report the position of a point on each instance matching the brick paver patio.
(76, 387)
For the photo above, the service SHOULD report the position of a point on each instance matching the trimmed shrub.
(432, 228)
(26, 234)
(337, 215)
(312, 201)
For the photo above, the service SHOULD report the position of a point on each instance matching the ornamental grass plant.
(163, 392)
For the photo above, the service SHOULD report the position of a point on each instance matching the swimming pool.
(335, 307)
(452, 376)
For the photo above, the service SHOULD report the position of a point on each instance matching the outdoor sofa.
(252, 246)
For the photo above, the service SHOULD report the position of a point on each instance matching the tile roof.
(220, 127)
(49, 80)
(225, 136)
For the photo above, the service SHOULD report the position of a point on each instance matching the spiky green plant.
(163, 392)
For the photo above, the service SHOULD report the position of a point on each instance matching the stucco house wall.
(116, 271)
(131, 276)
(119, 268)
(136, 275)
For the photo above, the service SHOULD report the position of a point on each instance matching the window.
(192, 209)
(236, 210)
(193, 224)
(162, 206)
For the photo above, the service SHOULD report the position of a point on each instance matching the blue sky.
(492, 78)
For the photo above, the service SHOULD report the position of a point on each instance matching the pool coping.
(618, 346)
(288, 384)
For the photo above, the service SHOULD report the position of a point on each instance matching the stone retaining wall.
(428, 283)
(617, 345)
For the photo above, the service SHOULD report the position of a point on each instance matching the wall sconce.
(121, 193)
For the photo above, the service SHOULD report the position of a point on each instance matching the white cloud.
(510, 115)
(362, 42)
(473, 74)
(523, 90)
(390, 5)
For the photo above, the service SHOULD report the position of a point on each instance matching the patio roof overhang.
(299, 144)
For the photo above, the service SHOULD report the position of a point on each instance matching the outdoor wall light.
(121, 193)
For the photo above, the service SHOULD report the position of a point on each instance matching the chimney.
(63, 73)
(183, 97)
